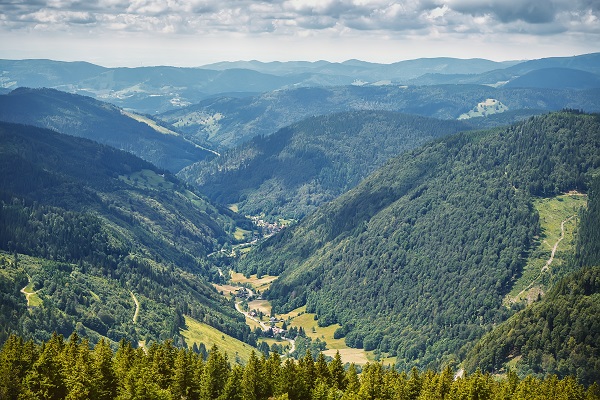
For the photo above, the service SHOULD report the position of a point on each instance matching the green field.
(241, 234)
(198, 332)
(259, 284)
(552, 212)
(300, 318)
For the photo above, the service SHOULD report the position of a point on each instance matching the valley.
(301, 230)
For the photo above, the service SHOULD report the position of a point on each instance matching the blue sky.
(198, 32)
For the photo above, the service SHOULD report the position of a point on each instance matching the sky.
(198, 32)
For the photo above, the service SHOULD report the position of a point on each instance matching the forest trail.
(28, 294)
(137, 308)
(546, 267)
(562, 236)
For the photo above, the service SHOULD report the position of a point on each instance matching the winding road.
(562, 236)
(265, 326)
(137, 308)
(546, 267)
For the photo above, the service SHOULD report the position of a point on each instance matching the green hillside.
(227, 122)
(103, 227)
(102, 122)
(561, 333)
(295, 170)
(415, 261)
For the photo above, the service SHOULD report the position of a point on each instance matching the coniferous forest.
(69, 369)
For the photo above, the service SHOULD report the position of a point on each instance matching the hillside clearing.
(198, 332)
(557, 215)
(259, 284)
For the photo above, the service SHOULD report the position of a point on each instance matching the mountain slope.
(151, 90)
(415, 261)
(226, 122)
(370, 72)
(294, 171)
(585, 62)
(85, 117)
(556, 78)
(101, 225)
(559, 334)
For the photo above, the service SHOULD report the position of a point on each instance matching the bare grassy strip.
(554, 213)
(198, 332)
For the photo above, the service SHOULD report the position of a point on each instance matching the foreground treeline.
(59, 369)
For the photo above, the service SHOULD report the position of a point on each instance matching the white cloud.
(286, 21)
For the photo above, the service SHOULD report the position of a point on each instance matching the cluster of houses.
(268, 228)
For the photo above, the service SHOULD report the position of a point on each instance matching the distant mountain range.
(226, 122)
(152, 90)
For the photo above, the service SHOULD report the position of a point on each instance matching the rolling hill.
(102, 122)
(556, 78)
(227, 122)
(415, 261)
(111, 245)
(498, 77)
(295, 170)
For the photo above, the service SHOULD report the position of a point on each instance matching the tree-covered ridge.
(60, 369)
(99, 225)
(295, 170)
(558, 335)
(561, 333)
(105, 123)
(227, 122)
(415, 261)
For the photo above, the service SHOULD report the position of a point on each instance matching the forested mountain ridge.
(293, 171)
(102, 122)
(561, 333)
(398, 260)
(101, 224)
(226, 122)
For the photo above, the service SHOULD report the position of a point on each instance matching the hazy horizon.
(198, 32)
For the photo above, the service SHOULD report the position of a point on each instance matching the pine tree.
(309, 373)
(291, 382)
(371, 382)
(214, 375)
(272, 371)
(233, 387)
(45, 379)
(182, 376)
(81, 381)
(322, 370)
(252, 381)
(337, 372)
(105, 373)
(352, 381)
(16, 358)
